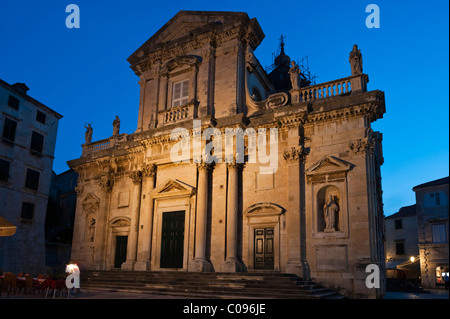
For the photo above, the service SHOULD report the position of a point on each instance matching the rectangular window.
(439, 235)
(399, 248)
(4, 170)
(437, 197)
(37, 142)
(40, 117)
(13, 102)
(398, 224)
(32, 179)
(180, 94)
(27, 211)
(9, 129)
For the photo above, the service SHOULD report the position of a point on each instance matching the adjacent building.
(402, 244)
(233, 169)
(59, 220)
(28, 131)
(433, 228)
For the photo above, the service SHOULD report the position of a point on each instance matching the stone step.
(208, 285)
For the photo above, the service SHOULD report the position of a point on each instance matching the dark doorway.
(121, 251)
(264, 255)
(172, 240)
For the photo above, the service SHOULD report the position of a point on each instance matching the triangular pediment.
(173, 187)
(91, 198)
(187, 24)
(328, 164)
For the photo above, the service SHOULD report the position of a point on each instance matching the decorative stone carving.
(79, 190)
(360, 146)
(355, 60)
(294, 154)
(136, 177)
(277, 100)
(149, 170)
(106, 185)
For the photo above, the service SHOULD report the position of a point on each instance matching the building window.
(27, 211)
(4, 170)
(398, 224)
(32, 179)
(37, 142)
(13, 102)
(40, 117)
(180, 94)
(439, 234)
(399, 248)
(9, 129)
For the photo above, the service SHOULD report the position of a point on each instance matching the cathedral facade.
(233, 169)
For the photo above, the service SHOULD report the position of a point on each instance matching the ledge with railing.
(103, 144)
(340, 87)
(178, 113)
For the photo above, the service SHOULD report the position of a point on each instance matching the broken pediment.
(328, 168)
(173, 188)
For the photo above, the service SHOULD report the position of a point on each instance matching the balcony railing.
(329, 89)
(179, 113)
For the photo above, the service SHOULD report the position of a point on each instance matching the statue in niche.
(116, 126)
(294, 72)
(330, 211)
(88, 134)
(355, 60)
(91, 229)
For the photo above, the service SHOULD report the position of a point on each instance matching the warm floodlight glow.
(412, 259)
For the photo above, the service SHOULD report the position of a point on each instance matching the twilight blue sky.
(83, 73)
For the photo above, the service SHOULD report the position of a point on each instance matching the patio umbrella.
(6, 228)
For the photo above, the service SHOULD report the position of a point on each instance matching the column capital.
(295, 154)
(149, 170)
(136, 177)
(106, 185)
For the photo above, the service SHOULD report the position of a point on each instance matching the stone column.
(136, 177)
(146, 219)
(231, 263)
(200, 263)
(295, 216)
(101, 224)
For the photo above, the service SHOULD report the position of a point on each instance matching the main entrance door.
(264, 255)
(121, 251)
(172, 240)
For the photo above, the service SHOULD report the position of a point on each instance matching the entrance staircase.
(251, 285)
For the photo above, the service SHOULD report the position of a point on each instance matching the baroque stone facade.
(312, 207)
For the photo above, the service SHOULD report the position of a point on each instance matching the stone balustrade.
(178, 113)
(329, 89)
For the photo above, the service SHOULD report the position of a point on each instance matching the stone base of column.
(233, 265)
(142, 265)
(200, 265)
(298, 268)
(128, 265)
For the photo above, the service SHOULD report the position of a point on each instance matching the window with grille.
(180, 94)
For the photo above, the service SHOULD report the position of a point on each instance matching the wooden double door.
(264, 248)
(172, 240)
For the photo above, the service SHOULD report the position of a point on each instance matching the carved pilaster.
(149, 170)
